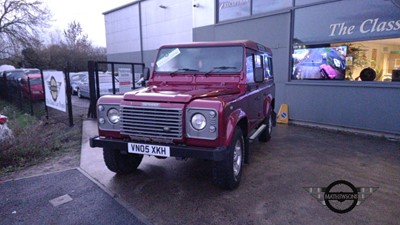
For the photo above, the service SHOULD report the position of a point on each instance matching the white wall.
(169, 25)
(203, 13)
(122, 30)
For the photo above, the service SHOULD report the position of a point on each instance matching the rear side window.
(268, 67)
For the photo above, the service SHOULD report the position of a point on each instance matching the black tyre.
(265, 136)
(324, 75)
(228, 172)
(121, 163)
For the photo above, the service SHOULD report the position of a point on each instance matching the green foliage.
(35, 140)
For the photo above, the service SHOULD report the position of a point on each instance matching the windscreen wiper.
(183, 70)
(218, 68)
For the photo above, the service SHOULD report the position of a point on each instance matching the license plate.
(144, 149)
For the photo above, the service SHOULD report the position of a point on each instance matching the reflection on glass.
(198, 60)
(262, 6)
(232, 9)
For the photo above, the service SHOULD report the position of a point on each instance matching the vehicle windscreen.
(15, 74)
(200, 60)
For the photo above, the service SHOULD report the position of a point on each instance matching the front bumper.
(215, 154)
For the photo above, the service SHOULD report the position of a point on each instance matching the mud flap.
(273, 115)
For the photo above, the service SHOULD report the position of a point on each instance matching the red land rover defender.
(203, 100)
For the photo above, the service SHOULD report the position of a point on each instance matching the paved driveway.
(272, 189)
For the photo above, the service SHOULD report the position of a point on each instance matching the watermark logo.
(341, 196)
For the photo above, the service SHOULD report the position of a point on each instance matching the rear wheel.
(121, 163)
(228, 172)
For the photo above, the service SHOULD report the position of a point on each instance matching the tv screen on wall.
(320, 63)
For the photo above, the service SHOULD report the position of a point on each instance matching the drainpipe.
(140, 31)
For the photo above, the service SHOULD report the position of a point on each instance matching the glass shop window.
(375, 60)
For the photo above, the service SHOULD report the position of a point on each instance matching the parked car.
(105, 82)
(75, 79)
(333, 65)
(202, 100)
(11, 83)
(6, 67)
(35, 92)
(14, 75)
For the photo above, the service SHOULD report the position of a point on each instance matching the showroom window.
(374, 60)
(262, 6)
(346, 46)
(235, 9)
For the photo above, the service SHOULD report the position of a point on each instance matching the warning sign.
(283, 115)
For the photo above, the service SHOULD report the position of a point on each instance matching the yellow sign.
(349, 61)
(283, 115)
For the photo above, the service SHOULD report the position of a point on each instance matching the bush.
(35, 140)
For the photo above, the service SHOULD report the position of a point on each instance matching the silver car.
(75, 79)
(105, 83)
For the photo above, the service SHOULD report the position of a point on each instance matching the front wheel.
(228, 172)
(121, 163)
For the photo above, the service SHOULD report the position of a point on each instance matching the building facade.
(336, 63)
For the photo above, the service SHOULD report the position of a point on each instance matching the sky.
(89, 13)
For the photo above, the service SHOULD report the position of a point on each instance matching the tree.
(78, 46)
(75, 37)
(20, 23)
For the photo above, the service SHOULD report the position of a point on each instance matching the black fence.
(95, 85)
(30, 99)
(25, 93)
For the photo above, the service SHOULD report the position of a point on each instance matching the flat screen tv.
(327, 63)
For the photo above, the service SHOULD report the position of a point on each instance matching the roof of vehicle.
(246, 43)
(6, 67)
(14, 70)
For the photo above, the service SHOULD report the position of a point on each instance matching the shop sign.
(125, 80)
(367, 26)
(344, 21)
(54, 87)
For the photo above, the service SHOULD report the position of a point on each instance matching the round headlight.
(198, 121)
(113, 115)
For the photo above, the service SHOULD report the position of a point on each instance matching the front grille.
(147, 122)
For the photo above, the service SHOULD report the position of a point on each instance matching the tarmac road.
(273, 184)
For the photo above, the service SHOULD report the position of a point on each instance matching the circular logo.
(341, 196)
(53, 89)
(283, 115)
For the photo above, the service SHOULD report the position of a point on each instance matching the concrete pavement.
(66, 197)
(181, 192)
(272, 189)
